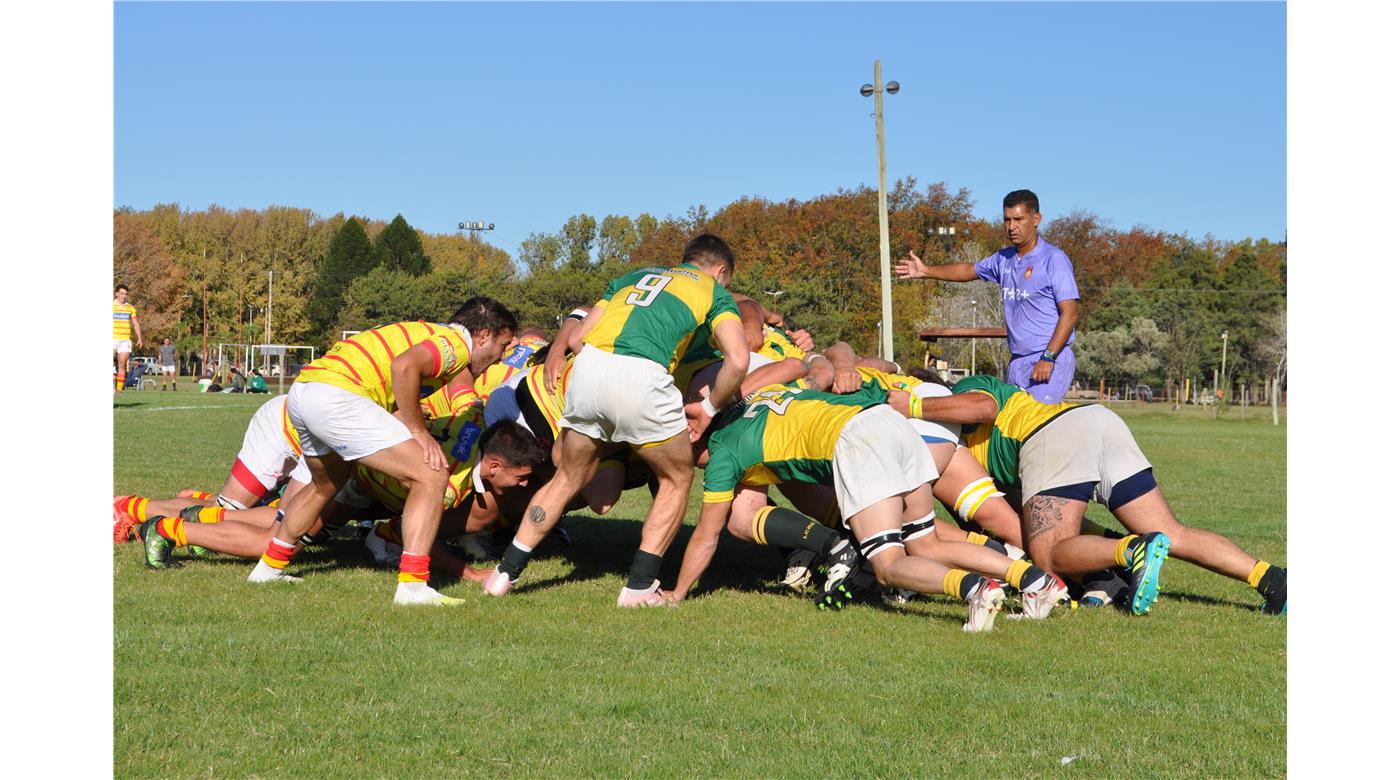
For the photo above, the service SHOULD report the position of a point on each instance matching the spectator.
(167, 365)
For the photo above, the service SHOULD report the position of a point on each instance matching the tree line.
(1154, 304)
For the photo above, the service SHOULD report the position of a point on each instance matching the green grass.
(216, 677)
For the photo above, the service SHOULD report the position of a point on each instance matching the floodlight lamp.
(491, 226)
(892, 87)
(461, 226)
(866, 90)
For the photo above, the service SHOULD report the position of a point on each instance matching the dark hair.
(1020, 197)
(482, 313)
(927, 375)
(121, 287)
(540, 355)
(708, 249)
(515, 444)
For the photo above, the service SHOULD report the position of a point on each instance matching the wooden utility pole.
(886, 305)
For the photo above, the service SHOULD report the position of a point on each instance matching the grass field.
(216, 677)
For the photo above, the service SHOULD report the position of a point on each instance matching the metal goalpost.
(282, 361)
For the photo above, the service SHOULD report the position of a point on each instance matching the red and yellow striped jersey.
(360, 363)
(513, 363)
(122, 315)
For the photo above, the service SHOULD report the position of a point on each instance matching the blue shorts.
(1018, 372)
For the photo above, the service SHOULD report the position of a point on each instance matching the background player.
(124, 323)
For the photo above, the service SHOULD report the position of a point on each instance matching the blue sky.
(1165, 115)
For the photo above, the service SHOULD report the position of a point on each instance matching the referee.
(1038, 294)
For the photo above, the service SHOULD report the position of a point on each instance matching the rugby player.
(261, 468)
(621, 390)
(484, 466)
(880, 471)
(1061, 456)
(360, 402)
(123, 323)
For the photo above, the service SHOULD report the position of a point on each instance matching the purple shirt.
(1031, 289)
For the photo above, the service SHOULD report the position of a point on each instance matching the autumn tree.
(141, 261)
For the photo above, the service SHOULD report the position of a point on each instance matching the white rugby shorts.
(621, 398)
(266, 457)
(330, 419)
(877, 456)
(1087, 444)
(122, 346)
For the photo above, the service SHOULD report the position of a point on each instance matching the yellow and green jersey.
(361, 363)
(997, 444)
(513, 363)
(122, 315)
(785, 434)
(456, 422)
(654, 313)
(777, 346)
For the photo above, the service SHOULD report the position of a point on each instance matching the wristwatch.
(1048, 356)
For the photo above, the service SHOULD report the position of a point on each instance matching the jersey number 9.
(648, 287)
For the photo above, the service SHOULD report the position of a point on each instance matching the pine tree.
(349, 257)
(400, 249)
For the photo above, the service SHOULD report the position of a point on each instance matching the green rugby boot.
(155, 547)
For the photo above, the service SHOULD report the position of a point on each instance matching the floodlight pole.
(886, 304)
(267, 321)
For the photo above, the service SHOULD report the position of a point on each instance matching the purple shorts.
(1018, 372)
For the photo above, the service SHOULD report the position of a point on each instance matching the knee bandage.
(228, 503)
(913, 530)
(880, 542)
(972, 497)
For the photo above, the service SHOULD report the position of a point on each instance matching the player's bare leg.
(878, 527)
(300, 512)
(422, 511)
(1052, 529)
(965, 486)
(576, 459)
(603, 491)
(1209, 550)
(673, 463)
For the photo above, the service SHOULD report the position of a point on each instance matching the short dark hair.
(540, 355)
(121, 287)
(708, 249)
(515, 444)
(1020, 197)
(481, 313)
(925, 375)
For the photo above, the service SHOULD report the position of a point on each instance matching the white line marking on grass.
(169, 408)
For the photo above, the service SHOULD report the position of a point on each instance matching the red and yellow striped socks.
(134, 506)
(172, 528)
(278, 554)
(413, 568)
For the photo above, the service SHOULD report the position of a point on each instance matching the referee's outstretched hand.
(912, 268)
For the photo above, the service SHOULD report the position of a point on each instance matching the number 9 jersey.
(654, 313)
